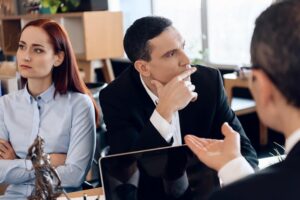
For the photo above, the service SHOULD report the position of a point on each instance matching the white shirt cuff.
(162, 126)
(235, 170)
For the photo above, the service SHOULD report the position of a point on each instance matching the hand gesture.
(6, 151)
(176, 94)
(216, 153)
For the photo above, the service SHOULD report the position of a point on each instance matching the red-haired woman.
(54, 104)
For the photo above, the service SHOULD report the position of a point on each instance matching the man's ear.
(264, 89)
(59, 58)
(142, 67)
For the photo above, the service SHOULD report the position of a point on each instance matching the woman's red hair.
(65, 77)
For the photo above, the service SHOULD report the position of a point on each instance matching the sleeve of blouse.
(3, 129)
(82, 144)
(13, 171)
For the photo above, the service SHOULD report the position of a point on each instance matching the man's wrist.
(235, 169)
(165, 112)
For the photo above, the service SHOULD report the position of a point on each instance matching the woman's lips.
(25, 67)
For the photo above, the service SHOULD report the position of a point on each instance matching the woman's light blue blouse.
(65, 122)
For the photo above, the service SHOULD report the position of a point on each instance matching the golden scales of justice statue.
(47, 181)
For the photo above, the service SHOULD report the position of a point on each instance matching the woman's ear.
(142, 67)
(59, 58)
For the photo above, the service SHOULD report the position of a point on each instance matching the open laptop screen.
(163, 173)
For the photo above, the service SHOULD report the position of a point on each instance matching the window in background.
(186, 17)
(218, 32)
(134, 9)
(228, 27)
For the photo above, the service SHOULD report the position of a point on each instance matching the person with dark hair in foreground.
(273, 80)
(54, 104)
(162, 98)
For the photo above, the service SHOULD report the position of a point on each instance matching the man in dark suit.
(274, 83)
(162, 98)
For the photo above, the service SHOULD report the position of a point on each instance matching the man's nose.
(184, 59)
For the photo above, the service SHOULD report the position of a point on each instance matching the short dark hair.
(275, 47)
(139, 33)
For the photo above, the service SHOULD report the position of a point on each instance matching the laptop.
(154, 174)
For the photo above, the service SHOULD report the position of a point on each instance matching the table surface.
(90, 192)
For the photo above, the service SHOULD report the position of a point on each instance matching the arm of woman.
(12, 170)
(6, 150)
(82, 144)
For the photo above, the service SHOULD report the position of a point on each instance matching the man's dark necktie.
(127, 192)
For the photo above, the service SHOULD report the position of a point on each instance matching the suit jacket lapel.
(142, 98)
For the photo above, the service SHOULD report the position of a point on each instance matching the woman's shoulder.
(13, 96)
(79, 99)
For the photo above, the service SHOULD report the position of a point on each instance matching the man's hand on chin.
(175, 95)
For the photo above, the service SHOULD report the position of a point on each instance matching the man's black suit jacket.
(127, 109)
(277, 182)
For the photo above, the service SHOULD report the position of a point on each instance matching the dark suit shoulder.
(208, 72)
(207, 80)
(279, 181)
(127, 89)
(117, 87)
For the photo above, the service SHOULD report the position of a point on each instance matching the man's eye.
(170, 54)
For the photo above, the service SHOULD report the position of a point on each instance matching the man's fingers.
(227, 130)
(231, 135)
(198, 149)
(194, 142)
(186, 73)
(194, 96)
(191, 87)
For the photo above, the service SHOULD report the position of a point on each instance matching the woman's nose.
(27, 56)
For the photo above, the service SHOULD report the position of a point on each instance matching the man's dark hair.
(275, 47)
(139, 33)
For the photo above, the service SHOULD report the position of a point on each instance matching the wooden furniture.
(0, 36)
(8, 78)
(95, 36)
(243, 106)
(90, 192)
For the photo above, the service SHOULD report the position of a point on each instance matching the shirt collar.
(151, 94)
(292, 140)
(45, 96)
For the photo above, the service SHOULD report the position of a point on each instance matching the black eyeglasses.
(245, 72)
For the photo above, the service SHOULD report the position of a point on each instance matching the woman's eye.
(38, 51)
(21, 46)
